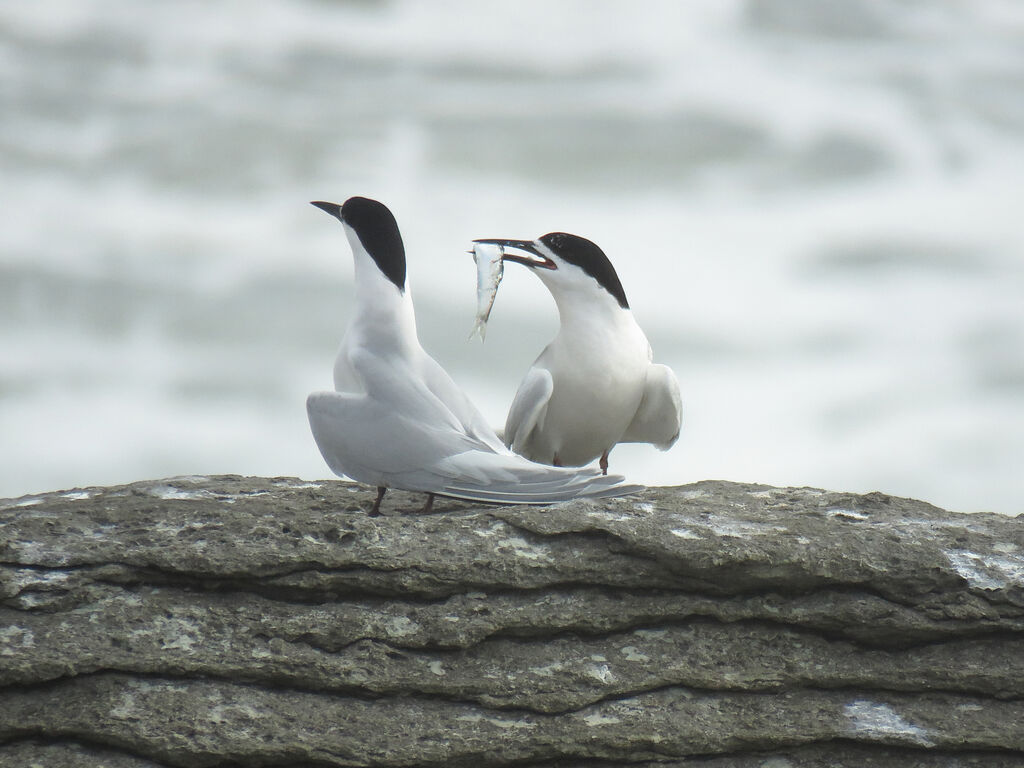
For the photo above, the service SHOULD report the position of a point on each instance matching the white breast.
(599, 372)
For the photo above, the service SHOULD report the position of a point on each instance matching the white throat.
(383, 313)
(584, 303)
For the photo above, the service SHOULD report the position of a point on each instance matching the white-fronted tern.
(595, 384)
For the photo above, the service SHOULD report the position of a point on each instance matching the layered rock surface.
(232, 621)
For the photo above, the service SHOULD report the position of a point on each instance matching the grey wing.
(508, 479)
(368, 441)
(362, 438)
(528, 407)
(660, 415)
(448, 393)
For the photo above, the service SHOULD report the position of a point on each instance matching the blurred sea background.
(816, 208)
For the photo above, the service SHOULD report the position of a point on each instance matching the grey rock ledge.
(230, 621)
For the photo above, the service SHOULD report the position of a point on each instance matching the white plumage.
(395, 418)
(595, 385)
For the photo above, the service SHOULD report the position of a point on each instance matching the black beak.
(332, 208)
(541, 261)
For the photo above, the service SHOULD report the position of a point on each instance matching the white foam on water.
(814, 215)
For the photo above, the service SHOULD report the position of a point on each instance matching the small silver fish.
(489, 269)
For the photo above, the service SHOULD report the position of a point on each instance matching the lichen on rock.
(231, 621)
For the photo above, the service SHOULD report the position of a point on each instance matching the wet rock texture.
(230, 621)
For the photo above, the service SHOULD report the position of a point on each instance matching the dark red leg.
(604, 463)
(429, 505)
(375, 509)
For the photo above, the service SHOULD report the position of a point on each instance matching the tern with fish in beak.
(395, 418)
(595, 384)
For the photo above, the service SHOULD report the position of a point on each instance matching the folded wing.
(381, 445)
(660, 415)
(528, 408)
(455, 400)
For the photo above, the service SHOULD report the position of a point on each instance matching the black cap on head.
(588, 257)
(378, 232)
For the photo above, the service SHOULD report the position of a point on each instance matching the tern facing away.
(396, 419)
(595, 384)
